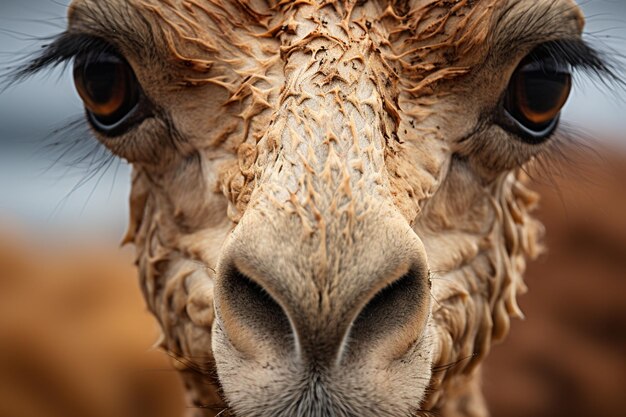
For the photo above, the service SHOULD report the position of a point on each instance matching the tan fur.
(325, 148)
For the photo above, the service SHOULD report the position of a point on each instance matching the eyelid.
(543, 65)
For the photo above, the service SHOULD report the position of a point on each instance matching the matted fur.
(323, 142)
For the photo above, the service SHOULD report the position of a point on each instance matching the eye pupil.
(536, 94)
(108, 88)
(102, 81)
(541, 95)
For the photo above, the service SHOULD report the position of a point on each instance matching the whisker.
(451, 365)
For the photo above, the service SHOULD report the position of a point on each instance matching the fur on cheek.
(472, 310)
(474, 304)
(179, 293)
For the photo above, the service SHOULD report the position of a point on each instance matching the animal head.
(327, 199)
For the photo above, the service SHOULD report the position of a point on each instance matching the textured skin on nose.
(320, 173)
(325, 149)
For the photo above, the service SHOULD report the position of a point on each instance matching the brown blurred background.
(75, 337)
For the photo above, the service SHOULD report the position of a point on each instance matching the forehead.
(508, 22)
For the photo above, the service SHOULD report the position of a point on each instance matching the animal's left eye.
(537, 92)
(109, 89)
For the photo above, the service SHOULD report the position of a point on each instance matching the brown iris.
(108, 88)
(537, 92)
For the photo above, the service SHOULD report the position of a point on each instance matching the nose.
(322, 300)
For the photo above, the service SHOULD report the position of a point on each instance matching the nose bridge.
(326, 160)
(327, 139)
(321, 234)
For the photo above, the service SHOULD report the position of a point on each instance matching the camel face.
(326, 202)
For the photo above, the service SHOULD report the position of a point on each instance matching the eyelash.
(61, 50)
(578, 55)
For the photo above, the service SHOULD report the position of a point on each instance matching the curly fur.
(321, 142)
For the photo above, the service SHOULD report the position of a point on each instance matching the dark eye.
(109, 89)
(537, 92)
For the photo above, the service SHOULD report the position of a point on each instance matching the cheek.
(201, 118)
(200, 307)
(189, 196)
(456, 219)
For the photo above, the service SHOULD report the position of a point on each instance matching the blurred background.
(75, 337)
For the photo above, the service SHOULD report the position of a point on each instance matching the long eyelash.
(60, 50)
(580, 56)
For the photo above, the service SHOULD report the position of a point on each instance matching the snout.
(322, 320)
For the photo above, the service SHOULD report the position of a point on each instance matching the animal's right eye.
(110, 91)
(536, 94)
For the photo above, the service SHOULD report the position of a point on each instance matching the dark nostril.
(252, 306)
(402, 302)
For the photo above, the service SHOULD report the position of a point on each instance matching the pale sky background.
(36, 193)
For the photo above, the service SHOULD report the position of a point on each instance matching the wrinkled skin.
(321, 151)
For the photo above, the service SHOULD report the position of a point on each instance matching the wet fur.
(332, 131)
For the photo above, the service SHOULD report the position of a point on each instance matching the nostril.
(402, 303)
(252, 306)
